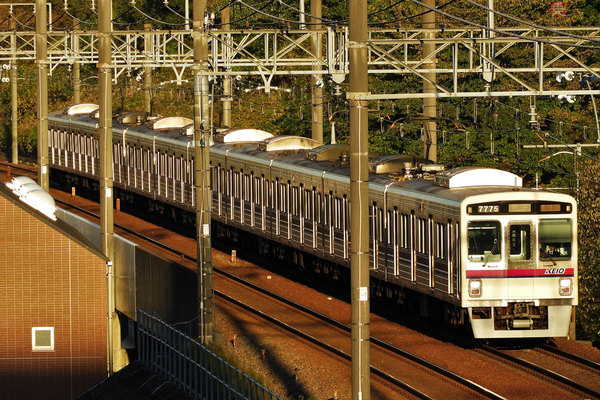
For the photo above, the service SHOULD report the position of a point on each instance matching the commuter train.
(471, 241)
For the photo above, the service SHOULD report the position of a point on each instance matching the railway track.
(542, 370)
(575, 374)
(445, 381)
(24, 170)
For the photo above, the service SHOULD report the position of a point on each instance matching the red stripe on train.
(520, 273)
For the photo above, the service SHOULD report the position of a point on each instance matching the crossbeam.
(460, 55)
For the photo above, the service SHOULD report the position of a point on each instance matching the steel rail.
(393, 349)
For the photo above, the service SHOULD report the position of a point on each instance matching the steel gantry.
(459, 54)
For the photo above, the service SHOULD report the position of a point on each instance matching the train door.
(520, 259)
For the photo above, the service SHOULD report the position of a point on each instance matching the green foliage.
(588, 312)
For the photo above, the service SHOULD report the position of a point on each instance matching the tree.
(588, 315)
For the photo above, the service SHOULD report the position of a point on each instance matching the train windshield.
(555, 239)
(484, 241)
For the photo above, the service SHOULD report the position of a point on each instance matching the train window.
(260, 189)
(441, 242)
(229, 182)
(307, 204)
(345, 213)
(328, 209)
(393, 224)
(247, 187)
(236, 184)
(555, 239)
(422, 235)
(380, 222)
(484, 240)
(404, 231)
(170, 163)
(373, 221)
(520, 242)
(283, 197)
(337, 213)
(295, 209)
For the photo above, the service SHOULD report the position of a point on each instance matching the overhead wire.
(80, 21)
(393, 21)
(267, 3)
(531, 24)
(5, 19)
(327, 21)
(23, 23)
(504, 32)
(273, 17)
(495, 156)
(154, 19)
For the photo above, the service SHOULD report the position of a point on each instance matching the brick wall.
(49, 280)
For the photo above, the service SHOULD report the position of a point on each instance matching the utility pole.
(359, 199)
(76, 70)
(148, 72)
(488, 68)
(41, 56)
(14, 96)
(202, 174)
(106, 157)
(316, 82)
(226, 111)
(429, 103)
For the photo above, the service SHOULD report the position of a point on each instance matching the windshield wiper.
(548, 256)
(490, 253)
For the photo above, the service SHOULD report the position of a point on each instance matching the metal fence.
(191, 366)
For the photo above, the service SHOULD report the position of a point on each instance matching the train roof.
(332, 161)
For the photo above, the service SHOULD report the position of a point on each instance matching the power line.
(522, 21)
(486, 28)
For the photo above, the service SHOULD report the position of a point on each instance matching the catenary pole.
(148, 71)
(41, 55)
(359, 198)
(317, 82)
(429, 103)
(76, 68)
(226, 113)
(106, 156)
(14, 95)
(202, 174)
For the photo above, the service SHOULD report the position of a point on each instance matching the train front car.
(519, 252)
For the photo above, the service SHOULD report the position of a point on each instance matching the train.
(471, 243)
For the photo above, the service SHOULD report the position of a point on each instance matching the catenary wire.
(524, 22)
(486, 28)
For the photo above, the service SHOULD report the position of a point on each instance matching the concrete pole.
(488, 68)
(14, 96)
(359, 199)
(76, 70)
(41, 56)
(106, 154)
(202, 175)
(317, 92)
(76, 82)
(147, 72)
(301, 17)
(227, 92)
(429, 103)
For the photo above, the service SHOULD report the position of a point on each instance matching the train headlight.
(565, 286)
(475, 287)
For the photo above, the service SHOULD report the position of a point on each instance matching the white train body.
(473, 238)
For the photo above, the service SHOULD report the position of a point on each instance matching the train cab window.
(520, 242)
(555, 239)
(484, 240)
